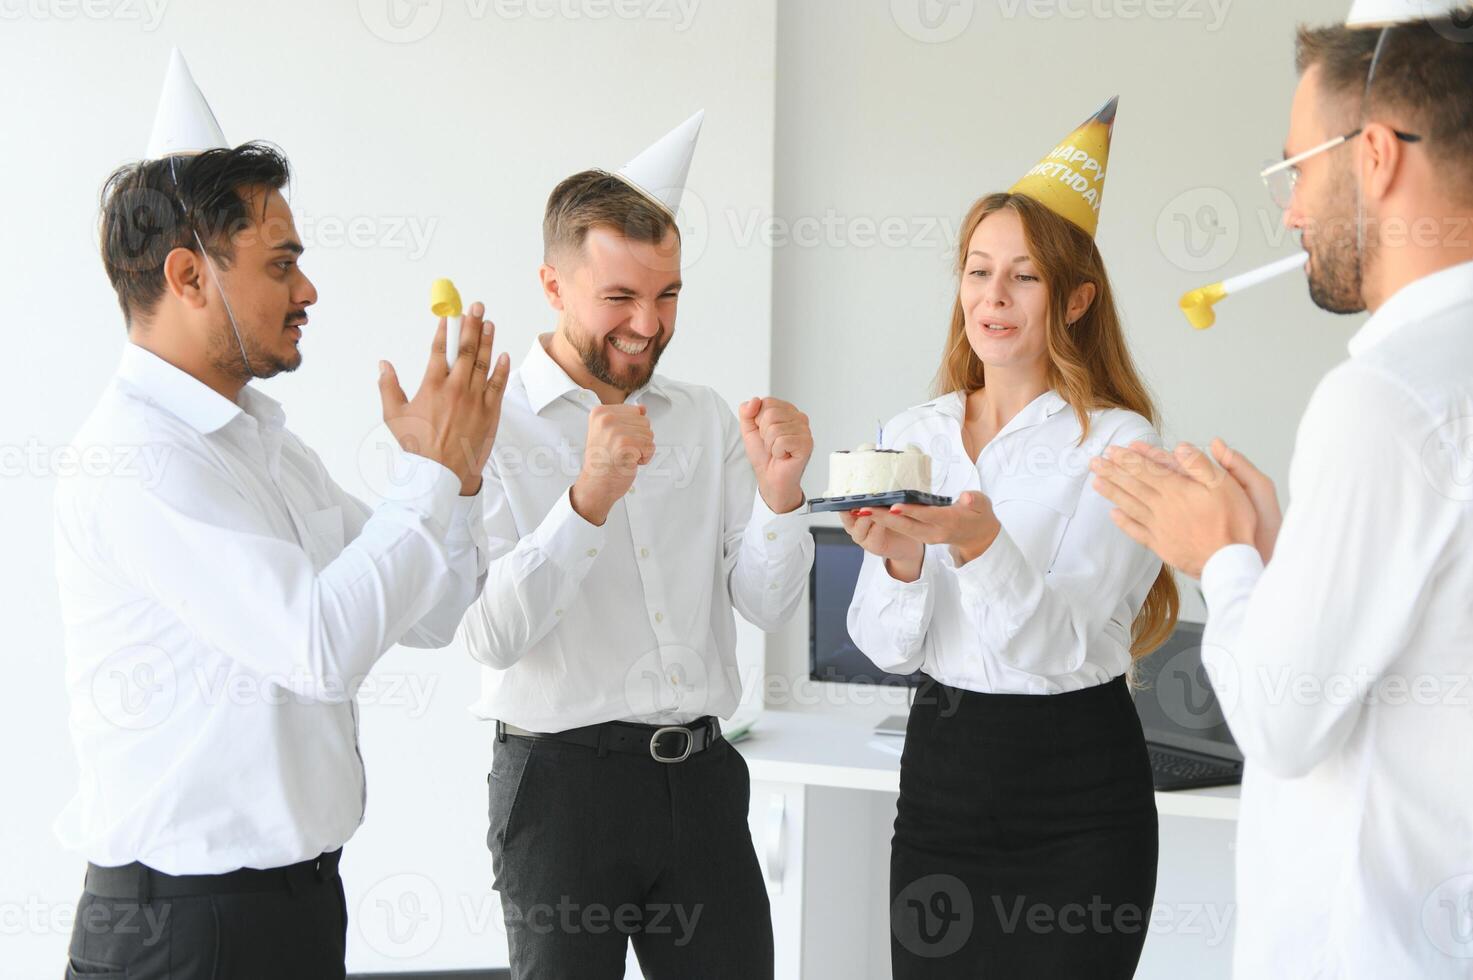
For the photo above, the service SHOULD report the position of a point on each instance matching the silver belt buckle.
(690, 741)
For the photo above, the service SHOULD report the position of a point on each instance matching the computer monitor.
(1175, 700)
(832, 653)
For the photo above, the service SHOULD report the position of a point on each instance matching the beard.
(226, 354)
(1337, 268)
(596, 358)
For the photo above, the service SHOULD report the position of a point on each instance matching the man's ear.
(552, 288)
(1079, 302)
(184, 277)
(1381, 159)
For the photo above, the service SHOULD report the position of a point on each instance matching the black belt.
(663, 743)
(142, 883)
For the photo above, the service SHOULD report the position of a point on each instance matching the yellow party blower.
(444, 298)
(445, 302)
(1197, 304)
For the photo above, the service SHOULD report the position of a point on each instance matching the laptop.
(1186, 734)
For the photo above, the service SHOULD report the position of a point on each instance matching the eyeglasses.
(1281, 178)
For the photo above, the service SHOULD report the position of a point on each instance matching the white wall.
(886, 123)
(437, 154)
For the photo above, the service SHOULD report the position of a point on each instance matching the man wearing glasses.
(1344, 661)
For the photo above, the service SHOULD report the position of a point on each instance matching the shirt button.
(644, 552)
(659, 617)
(772, 535)
(592, 552)
(558, 612)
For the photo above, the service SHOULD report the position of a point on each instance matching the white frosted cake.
(868, 470)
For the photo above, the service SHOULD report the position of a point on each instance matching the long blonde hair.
(1089, 363)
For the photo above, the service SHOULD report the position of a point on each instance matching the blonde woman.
(1026, 838)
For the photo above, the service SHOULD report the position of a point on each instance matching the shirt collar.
(1045, 406)
(545, 381)
(175, 391)
(1417, 300)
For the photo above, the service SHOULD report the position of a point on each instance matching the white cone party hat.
(183, 122)
(1382, 13)
(659, 172)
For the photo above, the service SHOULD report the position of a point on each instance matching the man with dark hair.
(224, 603)
(1339, 642)
(628, 514)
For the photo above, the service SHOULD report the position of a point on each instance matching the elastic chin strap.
(1360, 197)
(220, 287)
(214, 272)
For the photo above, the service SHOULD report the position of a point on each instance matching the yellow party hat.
(1070, 181)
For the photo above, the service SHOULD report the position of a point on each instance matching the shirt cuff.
(908, 599)
(904, 593)
(565, 537)
(1231, 571)
(1001, 567)
(426, 487)
(775, 535)
(466, 515)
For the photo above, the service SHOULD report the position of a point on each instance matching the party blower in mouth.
(1197, 304)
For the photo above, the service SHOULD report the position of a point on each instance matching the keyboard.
(1176, 770)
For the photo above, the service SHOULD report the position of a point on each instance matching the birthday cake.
(869, 470)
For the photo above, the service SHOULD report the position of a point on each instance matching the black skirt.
(1026, 837)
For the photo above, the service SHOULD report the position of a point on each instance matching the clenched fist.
(620, 441)
(779, 445)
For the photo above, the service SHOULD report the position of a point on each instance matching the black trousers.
(591, 852)
(277, 924)
(1025, 836)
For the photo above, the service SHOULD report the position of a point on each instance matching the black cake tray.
(877, 500)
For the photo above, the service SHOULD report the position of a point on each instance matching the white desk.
(823, 805)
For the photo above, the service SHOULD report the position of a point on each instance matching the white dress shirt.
(1344, 666)
(1048, 607)
(632, 620)
(222, 600)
